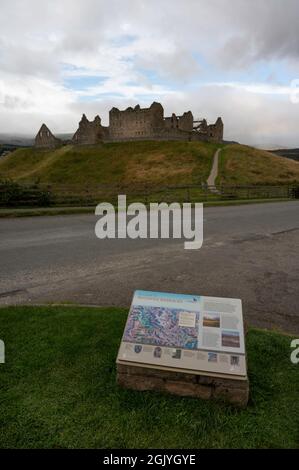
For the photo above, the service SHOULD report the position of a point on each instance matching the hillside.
(240, 164)
(151, 163)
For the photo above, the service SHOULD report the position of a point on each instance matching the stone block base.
(233, 391)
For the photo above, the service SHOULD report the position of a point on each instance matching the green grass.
(128, 163)
(146, 163)
(58, 389)
(46, 211)
(243, 165)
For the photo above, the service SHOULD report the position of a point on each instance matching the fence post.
(188, 194)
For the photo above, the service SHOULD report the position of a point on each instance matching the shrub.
(13, 194)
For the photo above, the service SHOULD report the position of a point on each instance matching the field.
(58, 390)
(212, 321)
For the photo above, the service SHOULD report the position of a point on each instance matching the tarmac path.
(249, 252)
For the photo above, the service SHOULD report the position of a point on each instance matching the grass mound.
(147, 163)
(244, 165)
(153, 163)
(58, 389)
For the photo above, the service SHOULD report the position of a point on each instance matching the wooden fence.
(41, 195)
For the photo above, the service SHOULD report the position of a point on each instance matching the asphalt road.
(249, 252)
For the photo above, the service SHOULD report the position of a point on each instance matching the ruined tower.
(89, 132)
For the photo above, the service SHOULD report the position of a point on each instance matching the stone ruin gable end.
(136, 123)
(89, 132)
(45, 139)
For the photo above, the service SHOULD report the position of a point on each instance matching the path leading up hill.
(214, 172)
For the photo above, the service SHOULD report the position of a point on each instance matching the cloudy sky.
(232, 58)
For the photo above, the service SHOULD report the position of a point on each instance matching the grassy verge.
(58, 389)
(32, 212)
(21, 212)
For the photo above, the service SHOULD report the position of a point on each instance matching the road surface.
(249, 252)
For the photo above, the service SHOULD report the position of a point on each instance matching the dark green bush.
(295, 192)
(13, 194)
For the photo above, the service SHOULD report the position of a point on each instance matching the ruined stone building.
(137, 124)
(211, 132)
(89, 132)
(45, 139)
(184, 122)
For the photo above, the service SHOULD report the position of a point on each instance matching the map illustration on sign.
(160, 326)
(185, 332)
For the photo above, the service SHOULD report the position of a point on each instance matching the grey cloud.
(11, 102)
(37, 37)
(260, 30)
(179, 66)
(231, 33)
(19, 60)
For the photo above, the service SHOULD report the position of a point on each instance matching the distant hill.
(7, 148)
(20, 140)
(147, 163)
(65, 136)
(293, 154)
(16, 139)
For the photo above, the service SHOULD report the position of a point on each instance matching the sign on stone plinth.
(189, 345)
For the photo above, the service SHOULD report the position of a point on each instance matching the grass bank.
(243, 165)
(58, 390)
(127, 163)
(45, 211)
(148, 163)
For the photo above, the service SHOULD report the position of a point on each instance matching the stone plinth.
(233, 391)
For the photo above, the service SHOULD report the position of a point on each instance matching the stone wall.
(45, 139)
(215, 131)
(89, 132)
(137, 123)
(149, 123)
(233, 391)
(184, 122)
